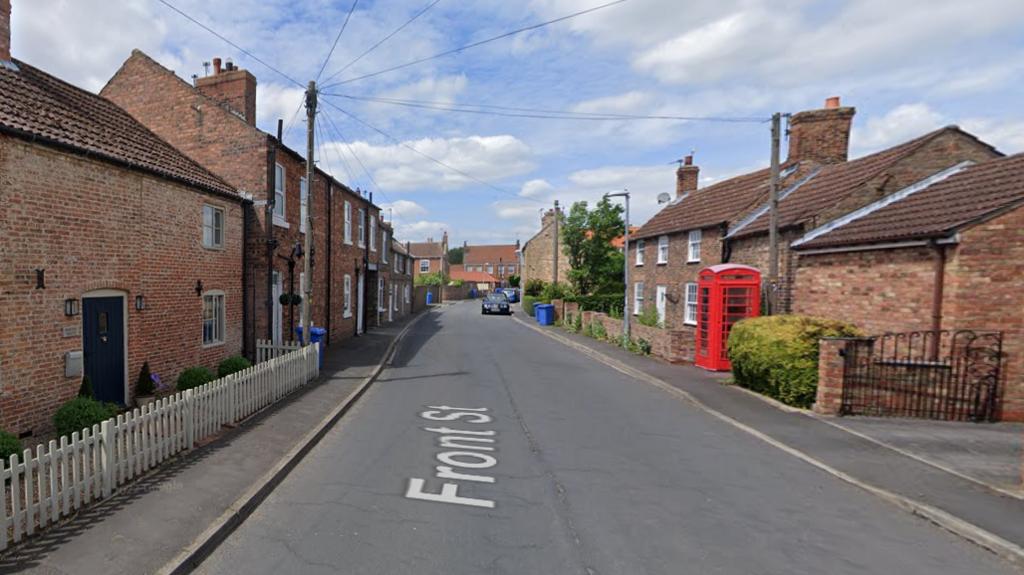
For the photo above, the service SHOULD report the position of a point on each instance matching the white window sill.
(362, 246)
(346, 315)
(348, 242)
(690, 323)
(639, 265)
(663, 263)
(215, 248)
(279, 222)
(693, 261)
(214, 344)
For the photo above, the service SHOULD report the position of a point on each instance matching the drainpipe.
(330, 205)
(723, 228)
(271, 244)
(940, 275)
(246, 211)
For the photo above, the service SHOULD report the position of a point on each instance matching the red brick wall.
(91, 226)
(667, 344)
(674, 275)
(5, 30)
(236, 89)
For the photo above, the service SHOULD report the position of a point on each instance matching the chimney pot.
(430, 240)
(216, 66)
(832, 102)
(688, 160)
(686, 177)
(229, 64)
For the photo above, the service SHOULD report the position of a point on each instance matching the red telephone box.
(726, 294)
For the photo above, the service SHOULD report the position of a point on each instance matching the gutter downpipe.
(937, 295)
(330, 205)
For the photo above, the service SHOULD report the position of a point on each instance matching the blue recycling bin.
(545, 314)
(536, 306)
(472, 294)
(430, 297)
(316, 337)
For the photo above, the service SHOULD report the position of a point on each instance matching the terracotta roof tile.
(490, 254)
(426, 250)
(834, 183)
(725, 201)
(39, 104)
(941, 209)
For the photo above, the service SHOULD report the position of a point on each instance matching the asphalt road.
(573, 468)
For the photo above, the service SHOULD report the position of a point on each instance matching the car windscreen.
(495, 297)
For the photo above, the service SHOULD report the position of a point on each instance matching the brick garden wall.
(91, 225)
(666, 344)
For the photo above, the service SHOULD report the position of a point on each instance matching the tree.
(455, 255)
(587, 240)
(434, 279)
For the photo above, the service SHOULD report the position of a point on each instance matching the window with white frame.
(490, 269)
(362, 228)
(424, 266)
(213, 227)
(510, 269)
(348, 223)
(690, 317)
(213, 318)
(638, 298)
(392, 298)
(383, 246)
(279, 213)
(406, 294)
(373, 233)
(303, 192)
(693, 251)
(348, 296)
(663, 250)
(380, 295)
(640, 253)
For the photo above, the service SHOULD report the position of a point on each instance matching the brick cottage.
(214, 122)
(115, 249)
(727, 222)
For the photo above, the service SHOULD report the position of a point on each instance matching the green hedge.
(82, 413)
(193, 377)
(609, 304)
(9, 445)
(528, 301)
(778, 355)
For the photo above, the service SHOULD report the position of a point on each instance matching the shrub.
(589, 329)
(528, 301)
(144, 385)
(9, 445)
(643, 346)
(194, 377)
(85, 390)
(599, 331)
(534, 287)
(609, 304)
(649, 317)
(577, 322)
(778, 355)
(233, 364)
(81, 413)
(513, 281)
(553, 291)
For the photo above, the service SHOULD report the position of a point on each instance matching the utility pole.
(554, 273)
(773, 238)
(307, 288)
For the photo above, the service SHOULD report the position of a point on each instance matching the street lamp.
(625, 263)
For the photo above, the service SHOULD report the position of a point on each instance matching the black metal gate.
(952, 376)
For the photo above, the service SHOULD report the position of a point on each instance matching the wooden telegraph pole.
(773, 255)
(307, 287)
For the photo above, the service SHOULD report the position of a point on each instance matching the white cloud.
(534, 188)
(421, 230)
(406, 209)
(489, 158)
(899, 125)
(276, 101)
(1008, 137)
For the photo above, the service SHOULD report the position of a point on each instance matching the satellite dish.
(663, 198)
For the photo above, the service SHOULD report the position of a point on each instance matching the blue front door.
(103, 339)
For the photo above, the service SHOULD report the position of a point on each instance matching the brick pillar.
(559, 309)
(571, 309)
(830, 376)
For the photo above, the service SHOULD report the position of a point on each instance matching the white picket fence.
(61, 479)
(267, 350)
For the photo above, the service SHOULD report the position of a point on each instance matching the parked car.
(512, 293)
(496, 303)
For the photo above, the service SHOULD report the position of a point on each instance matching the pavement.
(596, 473)
(964, 477)
(169, 520)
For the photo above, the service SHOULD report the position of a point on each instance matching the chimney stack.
(430, 240)
(821, 136)
(686, 177)
(5, 30)
(234, 87)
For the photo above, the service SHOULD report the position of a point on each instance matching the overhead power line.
(361, 165)
(232, 44)
(340, 32)
(377, 45)
(540, 114)
(475, 44)
(435, 160)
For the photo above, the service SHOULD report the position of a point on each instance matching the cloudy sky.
(908, 67)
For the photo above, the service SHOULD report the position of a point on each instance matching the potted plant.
(145, 387)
